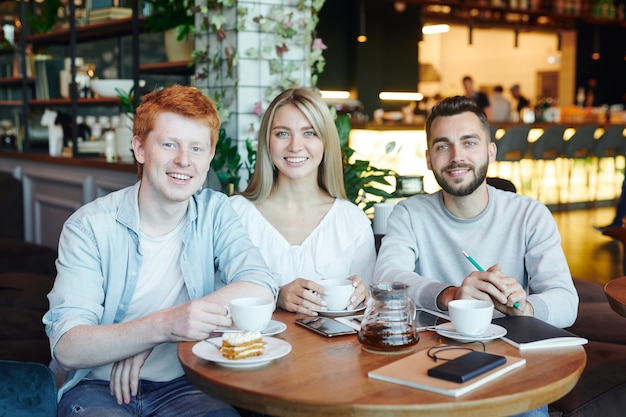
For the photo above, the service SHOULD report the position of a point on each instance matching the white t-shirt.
(340, 246)
(160, 286)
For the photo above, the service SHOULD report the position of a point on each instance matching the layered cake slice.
(242, 345)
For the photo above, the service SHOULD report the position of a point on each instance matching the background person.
(500, 106)
(295, 206)
(522, 102)
(514, 237)
(480, 98)
(619, 220)
(148, 266)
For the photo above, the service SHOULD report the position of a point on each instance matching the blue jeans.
(92, 398)
(537, 412)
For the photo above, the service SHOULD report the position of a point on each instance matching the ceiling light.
(400, 96)
(335, 94)
(432, 29)
(362, 36)
(595, 51)
(399, 6)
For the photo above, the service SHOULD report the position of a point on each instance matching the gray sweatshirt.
(424, 242)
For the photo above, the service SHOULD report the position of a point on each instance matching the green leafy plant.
(171, 14)
(362, 180)
(251, 160)
(128, 102)
(288, 32)
(227, 162)
(216, 56)
(44, 19)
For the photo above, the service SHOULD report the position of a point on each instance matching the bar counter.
(91, 163)
(401, 147)
(386, 125)
(54, 187)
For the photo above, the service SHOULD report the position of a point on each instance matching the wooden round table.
(615, 291)
(328, 377)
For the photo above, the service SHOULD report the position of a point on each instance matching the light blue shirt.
(99, 261)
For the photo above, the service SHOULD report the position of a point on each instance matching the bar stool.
(611, 145)
(493, 130)
(579, 147)
(548, 147)
(513, 147)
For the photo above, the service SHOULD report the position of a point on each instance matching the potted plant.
(362, 180)
(175, 18)
(124, 133)
(45, 18)
(227, 162)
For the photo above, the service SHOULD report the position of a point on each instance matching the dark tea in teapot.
(389, 322)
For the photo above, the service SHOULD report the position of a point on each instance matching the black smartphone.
(325, 326)
(466, 367)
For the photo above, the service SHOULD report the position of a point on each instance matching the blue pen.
(481, 269)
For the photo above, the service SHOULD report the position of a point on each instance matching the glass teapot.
(388, 325)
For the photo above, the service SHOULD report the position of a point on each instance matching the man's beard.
(479, 177)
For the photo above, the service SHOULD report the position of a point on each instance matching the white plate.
(273, 328)
(493, 332)
(340, 313)
(209, 350)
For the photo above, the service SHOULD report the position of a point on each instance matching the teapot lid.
(389, 289)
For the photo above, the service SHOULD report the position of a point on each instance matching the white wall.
(492, 59)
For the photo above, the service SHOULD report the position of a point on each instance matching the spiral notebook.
(412, 371)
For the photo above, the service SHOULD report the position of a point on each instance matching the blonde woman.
(295, 206)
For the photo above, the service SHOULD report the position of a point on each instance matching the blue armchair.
(27, 389)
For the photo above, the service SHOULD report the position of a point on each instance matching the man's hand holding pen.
(504, 291)
(507, 294)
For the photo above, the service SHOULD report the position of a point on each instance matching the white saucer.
(493, 332)
(209, 350)
(340, 313)
(273, 328)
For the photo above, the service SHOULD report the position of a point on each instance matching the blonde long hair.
(330, 170)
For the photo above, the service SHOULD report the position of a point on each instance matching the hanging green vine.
(223, 19)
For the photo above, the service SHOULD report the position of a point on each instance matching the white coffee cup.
(339, 293)
(470, 317)
(251, 313)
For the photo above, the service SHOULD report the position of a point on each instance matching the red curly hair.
(185, 101)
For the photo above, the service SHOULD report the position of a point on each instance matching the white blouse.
(340, 246)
